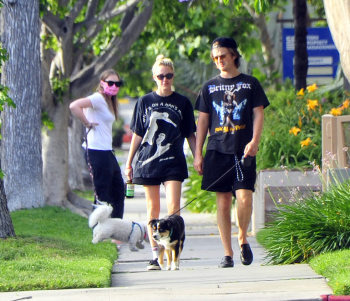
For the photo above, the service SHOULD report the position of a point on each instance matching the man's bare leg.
(244, 213)
(224, 203)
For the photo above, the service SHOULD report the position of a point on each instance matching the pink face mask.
(109, 90)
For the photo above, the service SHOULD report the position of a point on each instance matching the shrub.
(309, 227)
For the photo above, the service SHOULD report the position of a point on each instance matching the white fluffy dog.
(105, 227)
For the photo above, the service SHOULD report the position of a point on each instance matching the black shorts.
(225, 173)
(157, 181)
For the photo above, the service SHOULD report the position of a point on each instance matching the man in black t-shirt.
(231, 107)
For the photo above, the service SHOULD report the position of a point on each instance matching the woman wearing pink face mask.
(97, 113)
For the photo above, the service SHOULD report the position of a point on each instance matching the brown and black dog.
(169, 233)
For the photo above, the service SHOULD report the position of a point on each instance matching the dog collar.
(145, 234)
(132, 229)
(171, 232)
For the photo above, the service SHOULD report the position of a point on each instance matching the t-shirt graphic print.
(228, 111)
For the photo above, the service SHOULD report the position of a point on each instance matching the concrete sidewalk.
(199, 277)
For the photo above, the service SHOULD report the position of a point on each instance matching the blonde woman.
(162, 120)
(97, 113)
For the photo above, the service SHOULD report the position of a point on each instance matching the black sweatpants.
(108, 180)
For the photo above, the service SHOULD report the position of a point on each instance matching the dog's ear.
(152, 222)
(101, 203)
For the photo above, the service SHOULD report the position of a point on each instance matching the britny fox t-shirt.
(163, 123)
(230, 103)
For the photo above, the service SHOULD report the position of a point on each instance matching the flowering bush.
(292, 135)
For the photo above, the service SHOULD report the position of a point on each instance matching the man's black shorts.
(225, 173)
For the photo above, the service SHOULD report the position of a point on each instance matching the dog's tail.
(101, 213)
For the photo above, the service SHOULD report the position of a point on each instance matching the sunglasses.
(111, 83)
(221, 57)
(168, 76)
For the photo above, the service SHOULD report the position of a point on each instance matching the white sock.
(155, 252)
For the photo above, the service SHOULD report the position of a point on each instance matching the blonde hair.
(161, 60)
(111, 101)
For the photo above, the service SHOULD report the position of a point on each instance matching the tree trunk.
(338, 18)
(21, 158)
(270, 57)
(55, 154)
(301, 57)
(6, 226)
(77, 166)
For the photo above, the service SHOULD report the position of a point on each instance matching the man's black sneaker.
(246, 254)
(153, 265)
(226, 262)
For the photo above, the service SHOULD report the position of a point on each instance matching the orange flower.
(316, 120)
(320, 108)
(305, 142)
(346, 103)
(294, 130)
(335, 111)
(301, 92)
(300, 122)
(311, 88)
(312, 104)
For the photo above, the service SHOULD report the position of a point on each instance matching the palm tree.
(301, 57)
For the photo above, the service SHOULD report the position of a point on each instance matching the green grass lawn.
(88, 194)
(335, 266)
(53, 250)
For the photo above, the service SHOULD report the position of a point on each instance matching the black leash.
(244, 161)
(90, 167)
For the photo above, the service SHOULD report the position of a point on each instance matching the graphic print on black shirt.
(163, 123)
(160, 138)
(228, 111)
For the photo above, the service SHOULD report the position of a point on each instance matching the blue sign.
(322, 54)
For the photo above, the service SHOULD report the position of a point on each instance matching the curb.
(335, 298)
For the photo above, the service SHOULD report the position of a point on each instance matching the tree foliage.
(184, 32)
(80, 39)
